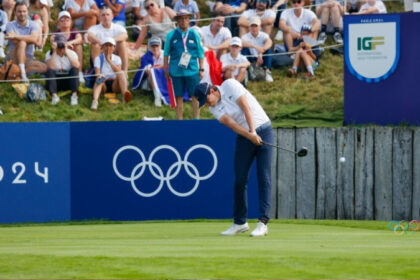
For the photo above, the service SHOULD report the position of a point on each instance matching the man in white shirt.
(261, 10)
(234, 63)
(292, 20)
(62, 62)
(216, 37)
(234, 106)
(256, 44)
(107, 29)
(109, 75)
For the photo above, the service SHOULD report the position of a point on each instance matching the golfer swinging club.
(235, 107)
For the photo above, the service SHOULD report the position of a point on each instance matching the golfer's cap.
(64, 14)
(155, 41)
(109, 40)
(201, 91)
(255, 21)
(306, 27)
(182, 13)
(236, 41)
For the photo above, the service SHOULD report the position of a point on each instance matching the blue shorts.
(185, 83)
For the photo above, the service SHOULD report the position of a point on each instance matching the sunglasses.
(148, 6)
(296, 1)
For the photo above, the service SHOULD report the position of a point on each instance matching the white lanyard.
(184, 40)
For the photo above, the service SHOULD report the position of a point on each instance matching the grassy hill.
(288, 101)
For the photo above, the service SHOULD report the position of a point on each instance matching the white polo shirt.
(259, 40)
(230, 91)
(101, 32)
(268, 13)
(106, 69)
(378, 4)
(210, 40)
(62, 62)
(227, 60)
(306, 17)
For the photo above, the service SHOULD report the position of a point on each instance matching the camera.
(60, 45)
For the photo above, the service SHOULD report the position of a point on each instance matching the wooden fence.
(380, 179)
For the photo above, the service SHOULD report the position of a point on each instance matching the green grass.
(294, 249)
(288, 102)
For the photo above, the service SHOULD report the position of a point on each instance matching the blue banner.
(381, 57)
(34, 172)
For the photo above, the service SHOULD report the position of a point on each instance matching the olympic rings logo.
(158, 173)
(401, 227)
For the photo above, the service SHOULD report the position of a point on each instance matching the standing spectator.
(183, 62)
(215, 36)
(85, 13)
(234, 63)
(110, 78)
(107, 29)
(23, 34)
(330, 10)
(292, 20)
(231, 8)
(3, 21)
(261, 10)
(257, 43)
(39, 14)
(8, 6)
(158, 22)
(73, 38)
(190, 6)
(62, 62)
(373, 7)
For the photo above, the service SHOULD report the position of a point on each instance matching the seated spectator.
(107, 29)
(216, 37)
(62, 62)
(73, 38)
(109, 77)
(117, 7)
(39, 14)
(373, 7)
(190, 6)
(261, 10)
(8, 6)
(3, 21)
(158, 22)
(257, 43)
(231, 8)
(139, 13)
(23, 34)
(278, 7)
(234, 63)
(330, 10)
(292, 20)
(84, 13)
(145, 78)
(353, 6)
(304, 57)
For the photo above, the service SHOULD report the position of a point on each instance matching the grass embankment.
(288, 102)
(293, 249)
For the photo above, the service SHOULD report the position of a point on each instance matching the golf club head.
(302, 152)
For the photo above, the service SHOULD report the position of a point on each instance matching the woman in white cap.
(109, 74)
(38, 12)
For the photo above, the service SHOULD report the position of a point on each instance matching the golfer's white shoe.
(260, 230)
(234, 229)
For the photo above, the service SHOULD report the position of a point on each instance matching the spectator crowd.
(241, 41)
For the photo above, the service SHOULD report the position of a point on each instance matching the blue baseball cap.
(201, 91)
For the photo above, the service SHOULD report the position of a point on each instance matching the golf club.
(301, 153)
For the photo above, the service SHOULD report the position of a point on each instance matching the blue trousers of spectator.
(232, 24)
(245, 153)
(267, 59)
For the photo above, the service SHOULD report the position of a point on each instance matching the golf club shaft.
(275, 146)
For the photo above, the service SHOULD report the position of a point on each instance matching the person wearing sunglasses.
(292, 20)
(262, 10)
(158, 21)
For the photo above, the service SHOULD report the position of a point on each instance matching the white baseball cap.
(109, 40)
(255, 20)
(236, 41)
(64, 14)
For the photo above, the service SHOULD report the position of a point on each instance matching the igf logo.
(369, 43)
